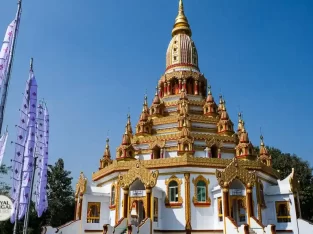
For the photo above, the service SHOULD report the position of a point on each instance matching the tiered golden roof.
(183, 111)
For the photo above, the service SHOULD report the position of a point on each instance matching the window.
(173, 197)
(214, 151)
(93, 212)
(173, 191)
(155, 209)
(113, 195)
(201, 197)
(201, 191)
(156, 153)
(283, 212)
(220, 209)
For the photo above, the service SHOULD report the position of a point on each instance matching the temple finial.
(209, 89)
(181, 23)
(31, 64)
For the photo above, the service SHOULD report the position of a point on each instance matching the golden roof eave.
(184, 161)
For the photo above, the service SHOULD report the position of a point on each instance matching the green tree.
(60, 196)
(4, 187)
(284, 162)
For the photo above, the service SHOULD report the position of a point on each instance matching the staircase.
(251, 231)
(124, 232)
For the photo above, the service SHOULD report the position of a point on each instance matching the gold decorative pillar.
(225, 200)
(117, 203)
(148, 197)
(125, 202)
(187, 203)
(165, 89)
(249, 202)
(196, 88)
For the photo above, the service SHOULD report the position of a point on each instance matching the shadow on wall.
(168, 216)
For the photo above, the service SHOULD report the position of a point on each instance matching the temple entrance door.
(138, 206)
(238, 210)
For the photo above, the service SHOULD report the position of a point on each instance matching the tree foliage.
(4, 187)
(284, 162)
(60, 195)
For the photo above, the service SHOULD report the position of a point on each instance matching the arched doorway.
(138, 206)
(238, 208)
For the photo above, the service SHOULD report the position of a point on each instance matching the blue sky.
(94, 59)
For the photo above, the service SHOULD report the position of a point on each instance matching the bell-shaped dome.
(182, 52)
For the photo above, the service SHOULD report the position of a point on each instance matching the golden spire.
(129, 125)
(262, 141)
(107, 153)
(181, 23)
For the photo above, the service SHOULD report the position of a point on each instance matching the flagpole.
(20, 180)
(30, 197)
(7, 79)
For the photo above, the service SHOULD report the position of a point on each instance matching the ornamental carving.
(293, 181)
(182, 75)
(234, 171)
(214, 141)
(158, 143)
(195, 196)
(180, 199)
(81, 185)
(138, 171)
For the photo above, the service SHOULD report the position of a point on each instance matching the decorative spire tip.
(31, 64)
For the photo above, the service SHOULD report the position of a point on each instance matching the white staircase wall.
(305, 227)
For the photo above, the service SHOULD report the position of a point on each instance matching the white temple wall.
(165, 126)
(228, 155)
(104, 212)
(216, 194)
(112, 217)
(202, 218)
(172, 154)
(293, 214)
(143, 156)
(200, 154)
(160, 196)
(172, 218)
(269, 213)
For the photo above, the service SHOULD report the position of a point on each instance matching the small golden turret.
(107, 153)
(240, 123)
(126, 149)
(129, 125)
(225, 126)
(220, 105)
(210, 107)
(244, 149)
(106, 159)
(181, 23)
(145, 104)
(264, 156)
(157, 107)
(126, 138)
(144, 125)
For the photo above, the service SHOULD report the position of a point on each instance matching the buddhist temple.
(183, 166)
